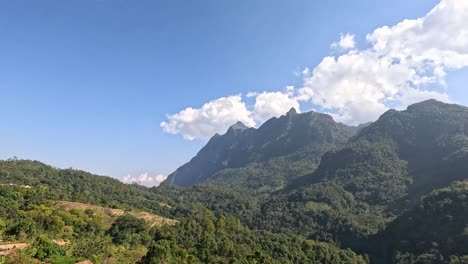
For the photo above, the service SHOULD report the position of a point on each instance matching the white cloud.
(402, 66)
(439, 40)
(251, 94)
(398, 69)
(346, 42)
(290, 90)
(213, 117)
(273, 104)
(218, 115)
(145, 179)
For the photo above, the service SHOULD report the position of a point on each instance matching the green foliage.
(436, 228)
(130, 231)
(371, 171)
(56, 259)
(92, 247)
(43, 248)
(259, 178)
(30, 215)
(20, 259)
(80, 186)
(458, 259)
(2, 227)
(203, 238)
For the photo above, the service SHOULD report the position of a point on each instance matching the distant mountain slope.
(382, 171)
(291, 138)
(404, 154)
(435, 231)
(432, 137)
(359, 186)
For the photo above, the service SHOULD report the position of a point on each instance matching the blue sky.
(86, 84)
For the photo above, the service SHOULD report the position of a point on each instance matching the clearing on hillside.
(110, 214)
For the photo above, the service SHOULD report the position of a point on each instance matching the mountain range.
(424, 147)
(290, 141)
(312, 176)
(301, 188)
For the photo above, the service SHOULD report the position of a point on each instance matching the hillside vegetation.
(299, 189)
(30, 213)
(355, 190)
(81, 186)
(435, 230)
(109, 214)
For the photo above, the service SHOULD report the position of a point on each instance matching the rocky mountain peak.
(238, 126)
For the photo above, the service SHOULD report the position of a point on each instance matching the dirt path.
(13, 245)
(61, 242)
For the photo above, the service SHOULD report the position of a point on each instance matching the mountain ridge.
(277, 137)
(313, 134)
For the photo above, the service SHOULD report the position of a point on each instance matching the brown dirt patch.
(110, 214)
(13, 246)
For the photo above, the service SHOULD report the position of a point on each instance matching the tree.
(129, 230)
(92, 247)
(42, 248)
(2, 227)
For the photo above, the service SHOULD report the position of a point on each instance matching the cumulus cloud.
(213, 117)
(145, 179)
(218, 115)
(273, 104)
(402, 63)
(346, 42)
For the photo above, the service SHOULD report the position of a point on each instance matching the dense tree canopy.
(204, 238)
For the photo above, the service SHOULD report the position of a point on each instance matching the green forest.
(28, 214)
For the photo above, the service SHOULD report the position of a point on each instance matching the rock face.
(293, 135)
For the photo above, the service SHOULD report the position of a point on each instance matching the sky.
(133, 89)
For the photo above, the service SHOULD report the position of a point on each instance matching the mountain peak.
(238, 126)
(291, 137)
(291, 111)
(431, 105)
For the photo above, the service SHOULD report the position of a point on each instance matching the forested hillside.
(434, 231)
(33, 214)
(358, 188)
(80, 186)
